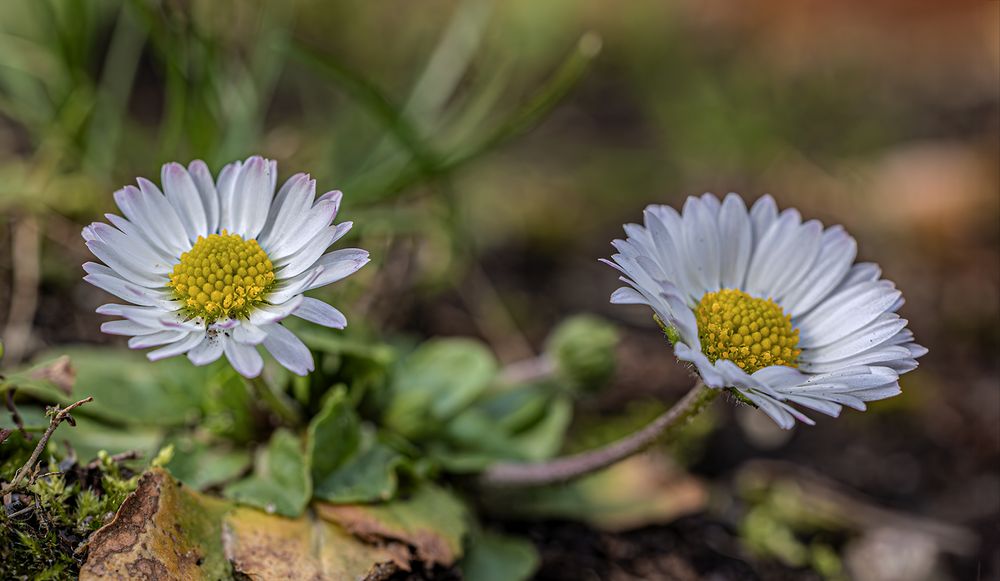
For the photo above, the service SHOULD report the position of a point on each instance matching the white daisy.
(767, 305)
(213, 266)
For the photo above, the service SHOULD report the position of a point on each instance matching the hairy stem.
(514, 475)
(278, 403)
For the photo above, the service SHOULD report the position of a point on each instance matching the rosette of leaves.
(449, 399)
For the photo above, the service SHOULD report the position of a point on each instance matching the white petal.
(182, 193)
(823, 406)
(156, 339)
(135, 250)
(701, 244)
(127, 328)
(782, 414)
(177, 348)
(209, 350)
(783, 256)
(708, 373)
(288, 349)
(711, 202)
(248, 333)
(875, 334)
(128, 291)
(266, 314)
(666, 233)
(163, 215)
(134, 233)
(151, 317)
(735, 240)
(339, 264)
(253, 193)
(314, 222)
(837, 252)
(206, 191)
(882, 354)
(845, 313)
(292, 202)
(316, 311)
(627, 296)
(244, 358)
(763, 213)
(228, 198)
(125, 266)
(143, 210)
(307, 256)
(860, 272)
(292, 288)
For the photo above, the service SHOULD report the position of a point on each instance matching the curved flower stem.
(282, 407)
(557, 470)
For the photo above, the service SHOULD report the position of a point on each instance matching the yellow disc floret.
(222, 276)
(752, 333)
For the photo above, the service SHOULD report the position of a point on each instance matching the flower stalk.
(279, 404)
(559, 470)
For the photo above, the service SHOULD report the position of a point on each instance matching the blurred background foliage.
(490, 150)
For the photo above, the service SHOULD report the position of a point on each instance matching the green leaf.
(129, 389)
(369, 475)
(349, 464)
(90, 436)
(200, 466)
(438, 380)
(280, 483)
(333, 435)
(477, 438)
(494, 557)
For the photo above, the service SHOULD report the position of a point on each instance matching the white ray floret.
(768, 305)
(211, 267)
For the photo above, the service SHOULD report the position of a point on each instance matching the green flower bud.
(583, 350)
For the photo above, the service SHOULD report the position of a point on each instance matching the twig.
(513, 474)
(58, 417)
(16, 417)
(115, 459)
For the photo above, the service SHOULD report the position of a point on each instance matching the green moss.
(44, 523)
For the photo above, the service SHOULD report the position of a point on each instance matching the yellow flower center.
(752, 333)
(222, 276)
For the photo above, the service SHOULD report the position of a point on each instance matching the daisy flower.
(212, 267)
(767, 305)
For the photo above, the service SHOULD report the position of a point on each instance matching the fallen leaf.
(166, 530)
(161, 531)
(261, 546)
(59, 372)
(431, 520)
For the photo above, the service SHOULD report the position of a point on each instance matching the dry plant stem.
(58, 417)
(26, 256)
(558, 470)
(528, 370)
(276, 402)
